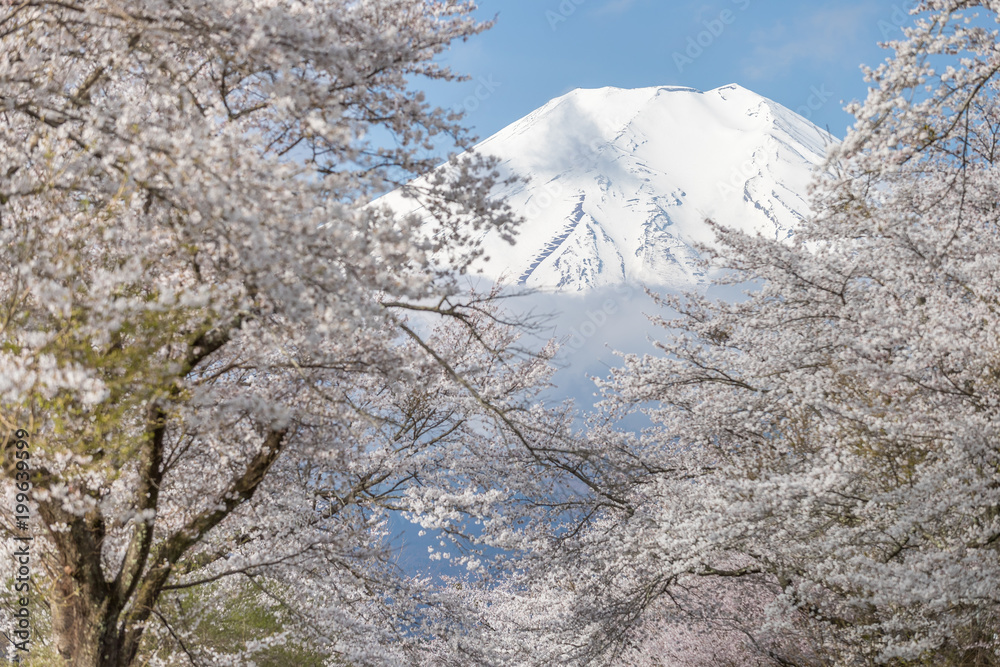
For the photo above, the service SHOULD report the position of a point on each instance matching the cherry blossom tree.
(230, 371)
(537, 621)
(834, 435)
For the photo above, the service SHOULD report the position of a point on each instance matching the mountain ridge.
(616, 184)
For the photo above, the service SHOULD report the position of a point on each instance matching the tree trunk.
(89, 640)
(78, 624)
(85, 626)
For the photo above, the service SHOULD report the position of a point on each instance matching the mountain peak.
(617, 183)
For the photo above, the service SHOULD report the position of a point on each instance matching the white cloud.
(825, 35)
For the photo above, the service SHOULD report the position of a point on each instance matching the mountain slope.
(617, 184)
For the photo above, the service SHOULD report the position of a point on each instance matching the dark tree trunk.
(84, 632)
(88, 631)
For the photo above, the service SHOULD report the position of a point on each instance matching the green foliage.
(227, 618)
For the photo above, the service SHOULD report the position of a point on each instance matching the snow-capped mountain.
(617, 184)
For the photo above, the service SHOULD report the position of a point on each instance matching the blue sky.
(805, 55)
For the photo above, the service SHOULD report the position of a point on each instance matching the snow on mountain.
(617, 184)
